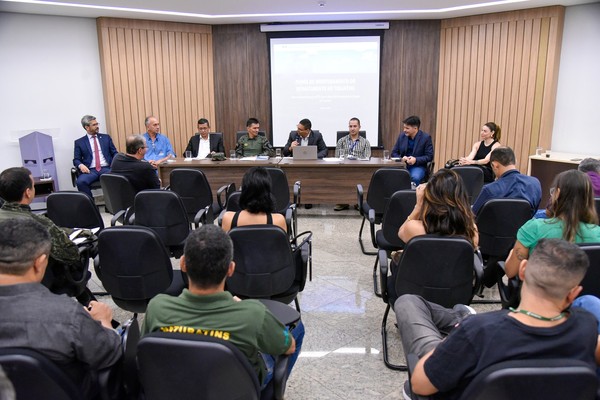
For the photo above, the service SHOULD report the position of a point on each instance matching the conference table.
(329, 181)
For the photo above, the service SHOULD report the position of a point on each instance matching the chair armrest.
(289, 219)
(131, 220)
(204, 216)
(359, 195)
(280, 376)
(223, 194)
(119, 215)
(371, 218)
(74, 176)
(477, 272)
(297, 192)
(383, 274)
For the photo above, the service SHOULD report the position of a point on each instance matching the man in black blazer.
(204, 143)
(304, 136)
(415, 148)
(86, 148)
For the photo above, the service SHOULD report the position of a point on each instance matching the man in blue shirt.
(415, 148)
(510, 183)
(159, 146)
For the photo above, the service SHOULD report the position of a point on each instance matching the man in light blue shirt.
(159, 146)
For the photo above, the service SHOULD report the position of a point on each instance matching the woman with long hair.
(443, 208)
(571, 216)
(480, 152)
(256, 202)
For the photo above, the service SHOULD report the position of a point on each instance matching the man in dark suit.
(202, 144)
(304, 136)
(415, 148)
(94, 153)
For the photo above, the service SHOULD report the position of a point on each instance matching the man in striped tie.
(93, 154)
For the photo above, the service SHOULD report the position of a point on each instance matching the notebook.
(305, 153)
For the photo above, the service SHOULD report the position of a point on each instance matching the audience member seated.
(140, 173)
(254, 144)
(93, 154)
(17, 188)
(415, 148)
(159, 146)
(207, 308)
(305, 136)
(79, 339)
(591, 167)
(510, 183)
(442, 208)
(202, 144)
(571, 216)
(541, 327)
(480, 153)
(257, 203)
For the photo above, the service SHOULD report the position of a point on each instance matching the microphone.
(298, 139)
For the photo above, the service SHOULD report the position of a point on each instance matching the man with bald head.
(159, 146)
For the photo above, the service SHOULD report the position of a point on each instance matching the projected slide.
(327, 80)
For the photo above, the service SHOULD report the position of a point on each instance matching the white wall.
(49, 78)
(578, 105)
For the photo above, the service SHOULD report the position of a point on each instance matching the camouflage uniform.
(259, 146)
(63, 249)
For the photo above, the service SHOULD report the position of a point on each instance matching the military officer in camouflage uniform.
(253, 144)
(18, 190)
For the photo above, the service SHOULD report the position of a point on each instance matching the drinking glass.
(386, 155)
(278, 153)
(188, 154)
(232, 155)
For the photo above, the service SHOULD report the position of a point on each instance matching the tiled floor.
(341, 357)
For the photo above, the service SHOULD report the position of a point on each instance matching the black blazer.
(314, 139)
(216, 144)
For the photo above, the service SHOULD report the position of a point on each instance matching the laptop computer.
(305, 153)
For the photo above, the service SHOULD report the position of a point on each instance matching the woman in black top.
(480, 153)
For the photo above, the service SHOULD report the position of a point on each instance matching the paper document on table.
(253, 158)
(332, 159)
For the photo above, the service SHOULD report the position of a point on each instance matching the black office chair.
(341, 134)
(498, 222)
(281, 191)
(34, 376)
(591, 280)
(442, 269)
(384, 183)
(195, 192)
(267, 265)
(75, 172)
(118, 197)
(220, 370)
(164, 212)
(597, 204)
(473, 179)
(429, 170)
(399, 207)
(134, 266)
(69, 209)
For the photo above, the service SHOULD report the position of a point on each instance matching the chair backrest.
(399, 207)
(591, 280)
(134, 265)
(233, 201)
(164, 212)
(118, 192)
(36, 377)
(216, 135)
(73, 210)
(384, 183)
(264, 266)
(438, 268)
(473, 179)
(220, 370)
(597, 203)
(239, 134)
(193, 188)
(534, 380)
(280, 189)
(341, 134)
(498, 222)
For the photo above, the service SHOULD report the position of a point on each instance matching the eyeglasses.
(552, 190)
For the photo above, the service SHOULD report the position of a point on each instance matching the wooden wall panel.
(156, 68)
(506, 64)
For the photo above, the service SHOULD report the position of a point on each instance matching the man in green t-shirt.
(207, 309)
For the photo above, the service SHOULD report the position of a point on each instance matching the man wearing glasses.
(140, 173)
